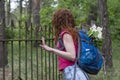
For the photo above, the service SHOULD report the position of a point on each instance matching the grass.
(33, 63)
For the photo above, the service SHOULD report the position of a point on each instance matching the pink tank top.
(62, 62)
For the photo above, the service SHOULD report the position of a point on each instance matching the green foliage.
(24, 17)
(14, 33)
(46, 14)
(114, 9)
(114, 18)
(9, 33)
(77, 9)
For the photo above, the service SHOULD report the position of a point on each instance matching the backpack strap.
(79, 47)
(78, 55)
(61, 43)
(60, 40)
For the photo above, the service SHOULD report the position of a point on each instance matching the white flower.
(93, 28)
(95, 32)
(100, 35)
(99, 29)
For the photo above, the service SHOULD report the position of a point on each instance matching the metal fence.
(26, 60)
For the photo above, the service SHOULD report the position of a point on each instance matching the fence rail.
(25, 60)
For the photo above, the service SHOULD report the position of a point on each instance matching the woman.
(63, 24)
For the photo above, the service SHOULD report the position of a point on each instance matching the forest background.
(40, 12)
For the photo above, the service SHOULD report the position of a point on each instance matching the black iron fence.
(25, 59)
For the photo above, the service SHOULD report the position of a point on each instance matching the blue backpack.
(89, 57)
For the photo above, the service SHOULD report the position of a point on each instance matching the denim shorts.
(74, 73)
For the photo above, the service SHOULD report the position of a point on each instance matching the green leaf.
(90, 32)
(95, 34)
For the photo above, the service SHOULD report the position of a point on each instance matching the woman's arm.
(69, 46)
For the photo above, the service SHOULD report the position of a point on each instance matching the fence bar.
(49, 57)
(53, 61)
(3, 60)
(12, 60)
(25, 53)
(19, 42)
(46, 58)
(36, 45)
(37, 60)
(41, 59)
(28, 40)
(31, 52)
(12, 56)
(19, 60)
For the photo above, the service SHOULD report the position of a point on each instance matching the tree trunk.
(3, 49)
(36, 18)
(8, 13)
(29, 11)
(36, 10)
(92, 17)
(21, 10)
(107, 48)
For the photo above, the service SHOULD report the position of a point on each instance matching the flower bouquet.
(96, 34)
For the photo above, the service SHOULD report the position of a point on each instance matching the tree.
(3, 49)
(21, 8)
(106, 49)
(36, 10)
(92, 17)
(36, 17)
(29, 11)
(8, 13)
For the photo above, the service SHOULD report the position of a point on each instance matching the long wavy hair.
(64, 20)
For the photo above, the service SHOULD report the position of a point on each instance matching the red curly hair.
(64, 20)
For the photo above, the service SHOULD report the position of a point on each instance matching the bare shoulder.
(67, 37)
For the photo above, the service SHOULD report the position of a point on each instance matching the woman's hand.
(44, 46)
(69, 45)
